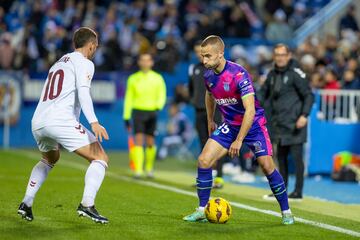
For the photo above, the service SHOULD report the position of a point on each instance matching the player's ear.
(221, 54)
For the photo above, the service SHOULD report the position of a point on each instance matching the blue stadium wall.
(326, 138)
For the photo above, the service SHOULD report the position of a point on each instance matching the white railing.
(315, 23)
(340, 106)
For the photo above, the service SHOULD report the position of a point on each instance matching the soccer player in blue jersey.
(229, 86)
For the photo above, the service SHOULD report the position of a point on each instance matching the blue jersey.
(228, 89)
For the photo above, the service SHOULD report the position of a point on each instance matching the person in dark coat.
(349, 21)
(288, 98)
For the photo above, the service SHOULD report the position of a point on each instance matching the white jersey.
(59, 103)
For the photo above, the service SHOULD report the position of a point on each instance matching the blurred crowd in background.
(35, 33)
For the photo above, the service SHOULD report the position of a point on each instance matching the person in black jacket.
(197, 92)
(288, 100)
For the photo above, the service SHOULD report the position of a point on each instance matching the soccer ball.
(218, 210)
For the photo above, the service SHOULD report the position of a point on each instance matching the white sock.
(201, 209)
(93, 179)
(37, 177)
(287, 211)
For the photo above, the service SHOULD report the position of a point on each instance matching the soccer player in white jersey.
(56, 122)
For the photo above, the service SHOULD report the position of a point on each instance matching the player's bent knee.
(204, 161)
(267, 165)
(105, 158)
(101, 156)
(51, 157)
(51, 162)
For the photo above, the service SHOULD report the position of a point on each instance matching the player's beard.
(214, 66)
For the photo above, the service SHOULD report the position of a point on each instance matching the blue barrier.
(325, 138)
(328, 138)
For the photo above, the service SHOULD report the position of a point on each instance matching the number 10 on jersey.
(50, 85)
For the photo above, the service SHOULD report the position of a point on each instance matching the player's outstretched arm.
(88, 110)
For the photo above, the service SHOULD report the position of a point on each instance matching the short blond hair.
(213, 40)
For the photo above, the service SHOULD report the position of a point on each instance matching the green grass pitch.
(138, 211)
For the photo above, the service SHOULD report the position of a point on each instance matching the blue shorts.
(257, 139)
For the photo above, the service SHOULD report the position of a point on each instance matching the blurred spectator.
(350, 81)
(331, 81)
(40, 30)
(317, 81)
(308, 63)
(181, 94)
(238, 25)
(112, 54)
(299, 16)
(7, 51)
(179, 131)
(279, 29)
(3, 26)
(271, 6)
(349, 21)
(167, 54)
(287, 7)
(353, 65)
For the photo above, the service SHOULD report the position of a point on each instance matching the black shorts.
(144, 121)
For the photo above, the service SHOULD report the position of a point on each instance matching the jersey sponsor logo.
(226, 86)
(244, 83)
(226, 101)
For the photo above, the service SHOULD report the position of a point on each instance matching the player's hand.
(99, 131)
(234, 149)
(301, 122)
(211, 127)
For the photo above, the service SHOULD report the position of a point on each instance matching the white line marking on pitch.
(184, 192)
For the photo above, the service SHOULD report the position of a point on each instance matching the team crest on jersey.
(257, 146)
(286, 79)
(226, 86)
(210, 84)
